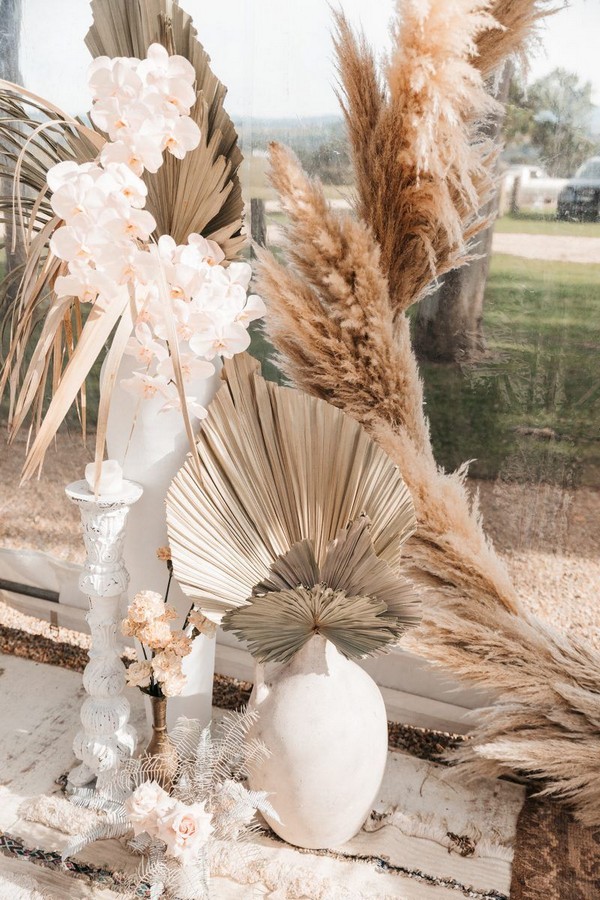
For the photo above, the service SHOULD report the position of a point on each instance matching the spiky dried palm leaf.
(278, 467)
(35, 135)
(355, 599)
(202, 192)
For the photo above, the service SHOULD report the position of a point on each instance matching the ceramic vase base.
(323, 720)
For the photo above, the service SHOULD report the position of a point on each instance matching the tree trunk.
(258, 222)
(449, 322)
(10, 40)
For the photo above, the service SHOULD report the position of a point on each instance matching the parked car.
(580, 198)
(529, 189)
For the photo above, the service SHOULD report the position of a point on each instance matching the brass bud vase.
(160, 756)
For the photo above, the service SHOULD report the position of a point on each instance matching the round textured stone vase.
(323, 720)
(153, 444)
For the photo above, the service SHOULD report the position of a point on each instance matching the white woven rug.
(431, 837)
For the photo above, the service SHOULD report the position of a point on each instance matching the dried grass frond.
(518, 20)
(424, 166)
(546, 720)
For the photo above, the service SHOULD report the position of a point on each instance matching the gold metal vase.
(160, 756)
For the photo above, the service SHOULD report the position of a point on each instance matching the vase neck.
(159, 713)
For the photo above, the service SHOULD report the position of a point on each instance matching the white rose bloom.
(185, 830)
(147, 804)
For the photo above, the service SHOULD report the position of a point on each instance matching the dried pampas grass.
(423, 163)
(418, 130)
(331, 319)
(518, 20)
(340, 335)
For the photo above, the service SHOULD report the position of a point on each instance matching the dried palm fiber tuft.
(329, 326)
(200, 193)
(277, 468)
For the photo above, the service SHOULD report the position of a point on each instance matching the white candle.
(111, 477)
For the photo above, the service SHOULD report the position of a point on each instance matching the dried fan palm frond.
(202, 192)
(424, 168)
(355, 600)
(277, 625)
(278, 467)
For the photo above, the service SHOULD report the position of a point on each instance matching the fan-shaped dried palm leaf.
(202, 192)
(355, 599)
(278, 467)
(279, 624)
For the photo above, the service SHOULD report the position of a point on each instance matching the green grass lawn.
(540, 224)
(542, 323)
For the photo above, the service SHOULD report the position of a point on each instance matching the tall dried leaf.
(202, 192)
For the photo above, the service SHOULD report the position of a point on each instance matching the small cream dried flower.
(201, 623)
(164, 554)
(145, 606)
(156, 634)
(174, 685)
(180, 644)
(166, 663)
(139, 674)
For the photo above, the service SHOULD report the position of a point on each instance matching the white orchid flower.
(182, 135)
(220, 340)
(144, 346)
(254, 309)
(192, 368)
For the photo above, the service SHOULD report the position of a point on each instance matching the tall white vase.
(151, 446)
(323, 721)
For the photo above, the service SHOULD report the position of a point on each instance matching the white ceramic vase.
(151, 446)
(323, 721)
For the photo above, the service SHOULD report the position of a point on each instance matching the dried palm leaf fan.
(297, 505)
(200, 193)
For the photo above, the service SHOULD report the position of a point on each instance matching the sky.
(274, 55)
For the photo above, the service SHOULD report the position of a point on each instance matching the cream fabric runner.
(431, 837)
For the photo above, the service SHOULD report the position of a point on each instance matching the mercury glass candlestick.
(106, 736)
